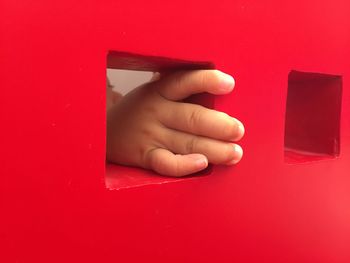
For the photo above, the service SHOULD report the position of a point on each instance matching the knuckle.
(194, 118)
(148, 158)
(146, 132)
(191, 145)
(177, 169)
(202, 77)
(150, 108)
(178, 80)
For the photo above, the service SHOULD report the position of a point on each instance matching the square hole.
(312, 124)
(125, 72)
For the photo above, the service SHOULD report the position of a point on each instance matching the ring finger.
(217, 152)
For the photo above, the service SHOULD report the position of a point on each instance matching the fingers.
(180, 85)
(198, 120)
(166, 163)
(217, 152)
(195, 153)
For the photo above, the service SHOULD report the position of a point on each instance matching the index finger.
(182, 84)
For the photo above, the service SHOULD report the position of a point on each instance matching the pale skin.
(152, 128)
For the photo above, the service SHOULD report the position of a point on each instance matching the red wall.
(55, 206)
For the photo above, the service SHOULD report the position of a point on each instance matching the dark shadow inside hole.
(312, 124)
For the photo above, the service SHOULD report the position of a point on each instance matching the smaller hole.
(312, 125)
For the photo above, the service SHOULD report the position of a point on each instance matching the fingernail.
(227, 82)
(241, 129)
(201, 162)
(238, 155)
(238, 132)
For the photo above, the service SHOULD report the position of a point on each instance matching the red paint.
(54, 204)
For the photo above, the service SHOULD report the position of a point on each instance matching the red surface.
(54, 203)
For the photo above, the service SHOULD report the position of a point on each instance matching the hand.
(151, 128)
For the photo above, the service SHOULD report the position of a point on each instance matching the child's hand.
(151, 128)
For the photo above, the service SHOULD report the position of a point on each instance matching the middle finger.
(198, 120)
